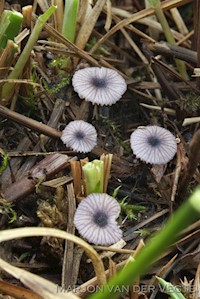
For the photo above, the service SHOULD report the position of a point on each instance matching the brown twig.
(23, 153)
(16, 291)
(29, 122)
(175, 51)
(45, 169)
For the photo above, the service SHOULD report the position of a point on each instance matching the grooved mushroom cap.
(80, 136)
(153, 144)
(95, 219)
(99, 85)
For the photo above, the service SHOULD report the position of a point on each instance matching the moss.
(190, 103)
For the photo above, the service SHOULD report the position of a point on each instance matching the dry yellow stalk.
(89, 23)
(109, 15)
(168, 4)
(107, 159)
(77, 178)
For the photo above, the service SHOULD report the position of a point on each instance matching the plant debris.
(140, 56)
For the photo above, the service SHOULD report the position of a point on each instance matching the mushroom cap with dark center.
(79, 135)
(99, 85)
(100, 218)
(153, 144)
(99, 82)
(154, 141)
(95, 219)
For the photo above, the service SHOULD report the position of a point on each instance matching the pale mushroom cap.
(99, 85)
(153, 144)
(95, 219)
(80, 136)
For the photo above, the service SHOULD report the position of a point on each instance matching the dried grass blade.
(157, 108)
(39, 285)
(76, 174)
(107, 159)
(83, 54)
(78, 178)
(43, 4)
(196, 292)
(179, 21)
(109, 15)
(88, 25)
(168, 4)
(112, 268)
(55, 183)
(16, 233)
(147, 21)
(134, 46)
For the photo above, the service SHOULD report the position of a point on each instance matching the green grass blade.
(171, 290)
(70, 19)
(10, 24)
(18, 69)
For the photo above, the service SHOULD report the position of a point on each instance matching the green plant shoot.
(10, 24)
(171, 290)
(94, 176)
(129, 209)
(70, 19)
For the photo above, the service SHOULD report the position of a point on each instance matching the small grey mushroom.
(99, 85)
(80, 136)
(153, 144)
(95, 219)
